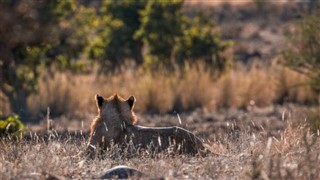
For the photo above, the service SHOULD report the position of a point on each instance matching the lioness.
(115, 124)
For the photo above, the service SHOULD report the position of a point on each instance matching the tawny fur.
(115, 123)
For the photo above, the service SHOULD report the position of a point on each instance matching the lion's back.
(161, 138)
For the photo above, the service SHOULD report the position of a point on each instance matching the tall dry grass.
(4, 105)
(294, 155)
(164, 91)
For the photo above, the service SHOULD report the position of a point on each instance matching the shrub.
(116, 24)
(12, 126)
(304, 54)
(161, 24)
(200, 41)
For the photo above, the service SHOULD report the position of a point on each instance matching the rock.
(122, 172)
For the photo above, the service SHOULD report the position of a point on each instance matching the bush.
(200, 42)
(12, 126)
(116, 23)
(161, 24)
(304, 54)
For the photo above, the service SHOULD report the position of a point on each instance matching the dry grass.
(163, 91)
(4, 106)
(249, 152)
(295, 155)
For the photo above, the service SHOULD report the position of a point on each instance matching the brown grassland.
(255, 138)
(246, 153)
(181, 90)
(259, 117)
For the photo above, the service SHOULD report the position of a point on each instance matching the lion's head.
(114, 115)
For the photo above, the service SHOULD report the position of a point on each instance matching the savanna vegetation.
(243, 77)
(42, 39)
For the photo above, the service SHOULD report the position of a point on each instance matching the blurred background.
(176, 56)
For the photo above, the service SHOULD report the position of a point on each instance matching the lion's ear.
(131, 101)
(99, 100)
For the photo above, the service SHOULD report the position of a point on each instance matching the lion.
(116, 124)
